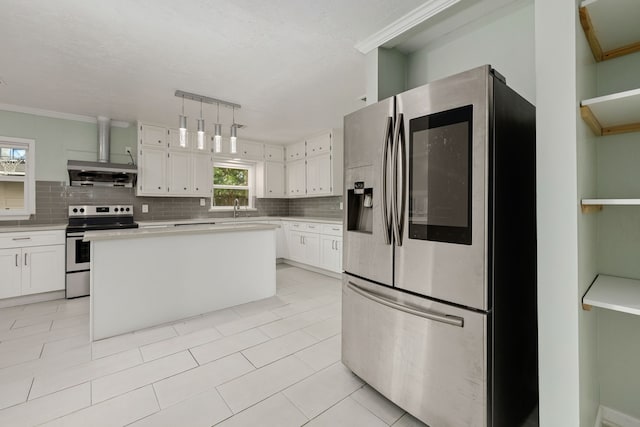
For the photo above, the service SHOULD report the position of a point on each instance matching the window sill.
(230, 209)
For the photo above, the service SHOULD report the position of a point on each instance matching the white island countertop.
(135, 233)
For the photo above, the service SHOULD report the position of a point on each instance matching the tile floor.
(274, 362)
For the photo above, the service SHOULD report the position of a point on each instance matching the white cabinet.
(319, 175)
(152, 171)
(179, 172)
(296, 178)
(270, 179)
(166, 169)
(152, 136)
(331, 253)
(282, 245)
(202, 174)
(31, 263)
(323, 168)
(11, 271)
(274, 153)
(17, 178)
(250, 150)
(315, 244)
(296, 151)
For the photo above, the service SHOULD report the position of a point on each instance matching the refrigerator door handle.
(398, 154)
(443, 318)
(384, 204)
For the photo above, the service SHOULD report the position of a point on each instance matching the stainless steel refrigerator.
(439, 291)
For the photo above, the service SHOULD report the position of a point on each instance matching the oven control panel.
(100, 210)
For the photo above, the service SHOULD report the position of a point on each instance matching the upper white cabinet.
(167, 169)
(274, 153)
(270, 179)
(251, 150)
(17, 178)
(296, 151)
(321, 173)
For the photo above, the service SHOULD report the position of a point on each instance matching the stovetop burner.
(104, 217)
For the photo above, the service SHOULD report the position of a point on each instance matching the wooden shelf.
(613, 293)
(612, 114)
(611, 27)
(595, 205)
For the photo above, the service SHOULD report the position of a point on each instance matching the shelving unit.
(613, 293)
(611, 27)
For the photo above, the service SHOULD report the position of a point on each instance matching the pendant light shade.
(183, 127)
(200, 143)
(217, 130)
(233, 141)
(200, 134)
(217, 138)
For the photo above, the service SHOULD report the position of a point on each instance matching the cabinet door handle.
(21, 238)
(17, 260)
(25, 259)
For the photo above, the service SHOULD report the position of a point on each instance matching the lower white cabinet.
(315, 244)
(331, 253)
(31, 262)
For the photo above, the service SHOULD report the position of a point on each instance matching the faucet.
(236, 208)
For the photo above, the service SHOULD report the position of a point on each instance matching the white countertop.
(29, 228)
(224, 220)
(134, 233)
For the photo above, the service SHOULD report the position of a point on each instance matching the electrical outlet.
(202, 202)
(341, 205)
(145, 208)
(128, 150)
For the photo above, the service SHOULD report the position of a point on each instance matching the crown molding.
(58, 115)
(404, 24)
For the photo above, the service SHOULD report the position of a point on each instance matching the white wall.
(504, 39)
(558, 207)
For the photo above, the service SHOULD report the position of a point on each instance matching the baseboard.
(312, 268)
(610, 417)
(30, 299)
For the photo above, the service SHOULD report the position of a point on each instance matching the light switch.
(145, 208)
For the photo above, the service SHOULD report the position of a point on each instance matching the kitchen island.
(145, 277)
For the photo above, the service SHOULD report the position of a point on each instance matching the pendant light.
(234, 134)
(217, 138)
(183, 127)
(200, 130)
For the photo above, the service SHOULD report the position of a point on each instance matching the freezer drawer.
(427, 357)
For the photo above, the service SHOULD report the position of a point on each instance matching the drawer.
(313, 227)
(297, 226)
(34, 238)
(331, 229)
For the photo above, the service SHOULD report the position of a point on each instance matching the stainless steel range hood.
(102, 173)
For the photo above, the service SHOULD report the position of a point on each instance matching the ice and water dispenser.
(360, 208)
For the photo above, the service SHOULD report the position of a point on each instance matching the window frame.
(235, 164)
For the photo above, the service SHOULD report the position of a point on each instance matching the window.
(232, 181)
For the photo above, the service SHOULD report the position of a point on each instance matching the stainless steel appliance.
(439, 290)
(88, 218)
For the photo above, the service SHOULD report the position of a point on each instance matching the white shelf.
(595, 205)
(611, 27)
(611, 114)
(614, 293)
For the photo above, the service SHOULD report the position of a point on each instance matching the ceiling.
(291, 64)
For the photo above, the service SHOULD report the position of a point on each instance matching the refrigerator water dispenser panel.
(360, 206)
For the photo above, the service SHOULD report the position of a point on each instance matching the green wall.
(58, 140)
(618, 245)
(504, 39)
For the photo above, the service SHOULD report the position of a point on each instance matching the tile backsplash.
(53, 198)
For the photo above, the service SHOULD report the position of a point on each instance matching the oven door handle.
(427, 314)
(80, 234)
